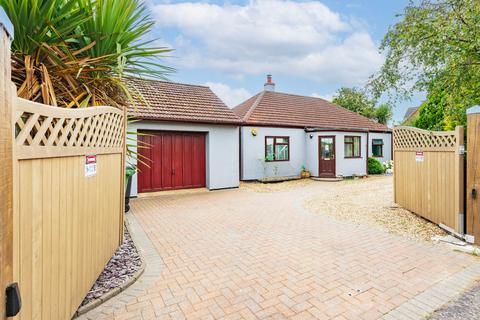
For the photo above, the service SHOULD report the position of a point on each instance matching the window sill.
(353, 157)
(276, 161)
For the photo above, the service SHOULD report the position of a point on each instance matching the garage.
(184, 136)
(172, 160)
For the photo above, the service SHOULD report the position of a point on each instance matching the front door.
(326, 161)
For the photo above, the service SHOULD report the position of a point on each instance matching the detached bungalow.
(192, 138)
(281, 133)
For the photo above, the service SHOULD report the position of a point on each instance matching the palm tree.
(74, 53)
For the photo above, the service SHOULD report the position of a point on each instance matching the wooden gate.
(68, 203)
(61, 197)
(429, 174)
(6, 180)
(473, 173)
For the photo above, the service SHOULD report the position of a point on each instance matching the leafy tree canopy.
(357, 100)
(383, 113)
(435, 38)
(434, 48)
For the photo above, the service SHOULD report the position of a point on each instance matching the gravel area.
(361, 201)
(370, 201)
(275, 186)
(123, 265)
(466, 307)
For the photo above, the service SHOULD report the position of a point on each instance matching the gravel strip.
(275, 186)
(466, 307)
(122, 266)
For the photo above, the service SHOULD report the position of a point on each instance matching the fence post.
(459, 179)
(6, 170)
(473, 173)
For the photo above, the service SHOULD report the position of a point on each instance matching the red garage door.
(176, 160)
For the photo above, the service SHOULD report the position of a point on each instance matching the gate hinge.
(461, 149)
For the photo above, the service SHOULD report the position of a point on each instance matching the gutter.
(319, 129)
(153, 119)
(335, 129)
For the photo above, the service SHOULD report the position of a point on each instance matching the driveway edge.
(153, 265)
(425, 303)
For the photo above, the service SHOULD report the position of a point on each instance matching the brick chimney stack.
(269, 85)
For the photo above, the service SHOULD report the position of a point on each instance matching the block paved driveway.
(239, 254)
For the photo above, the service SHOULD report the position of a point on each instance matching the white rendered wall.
(387, 145)
(253, 153)
(343, 166)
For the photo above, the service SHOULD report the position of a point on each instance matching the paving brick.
(239, 254)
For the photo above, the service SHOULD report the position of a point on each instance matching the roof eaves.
(315, 129)
(179, 120)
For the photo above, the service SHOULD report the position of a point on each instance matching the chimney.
(269, 85)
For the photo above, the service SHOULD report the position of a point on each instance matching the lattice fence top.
(410, 138)
(43, 131)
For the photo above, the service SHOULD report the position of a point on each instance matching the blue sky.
(310, 47)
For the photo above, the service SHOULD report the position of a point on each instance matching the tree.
(438, 112)
(357, 100)
(431, 113)
(383, 113)
(436, 46)
(74, 53)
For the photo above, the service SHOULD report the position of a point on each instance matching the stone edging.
(422, 305)
(153, 268)
(112, 293)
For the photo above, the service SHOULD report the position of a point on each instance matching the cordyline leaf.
(76, 53)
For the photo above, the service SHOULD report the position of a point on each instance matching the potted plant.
(305, 173)
(129, 172)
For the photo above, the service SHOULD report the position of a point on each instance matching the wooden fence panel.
(428, 174)
(66, 225)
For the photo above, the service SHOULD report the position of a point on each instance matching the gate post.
(473, 173)
(6, 169)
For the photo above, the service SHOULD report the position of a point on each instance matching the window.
(352, 147)
(377, 148)
(277, 148)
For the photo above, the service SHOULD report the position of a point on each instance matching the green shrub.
(375, 166)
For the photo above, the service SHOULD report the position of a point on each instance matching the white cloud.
(231, 96)
(300, 39)
(328, 96)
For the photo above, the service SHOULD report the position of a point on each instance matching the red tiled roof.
(169, 101)
(270, 108)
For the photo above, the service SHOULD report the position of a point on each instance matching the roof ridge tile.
(254, 106)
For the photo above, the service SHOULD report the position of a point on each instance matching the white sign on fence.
(419, 157)
(90, 166)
